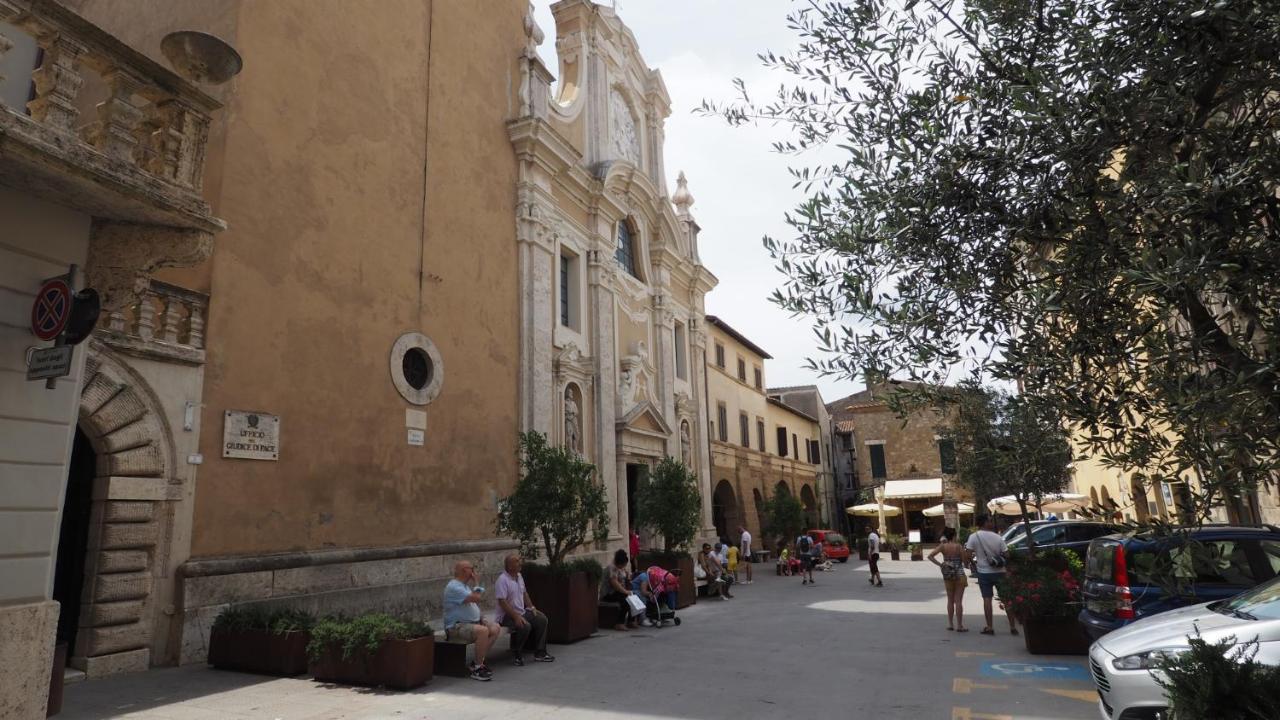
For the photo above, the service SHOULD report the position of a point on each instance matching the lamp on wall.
(201, 57)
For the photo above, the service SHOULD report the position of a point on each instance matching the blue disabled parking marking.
(1039, 671)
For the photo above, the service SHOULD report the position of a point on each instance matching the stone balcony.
(166, 323)
(113, 134)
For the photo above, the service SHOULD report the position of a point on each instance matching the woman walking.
(953, 576)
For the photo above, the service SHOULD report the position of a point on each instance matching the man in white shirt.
(873, 558)
(744, 554)
(989, 551)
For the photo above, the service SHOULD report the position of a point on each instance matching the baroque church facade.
(612, 343)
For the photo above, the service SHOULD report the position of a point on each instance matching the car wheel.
(844, 559)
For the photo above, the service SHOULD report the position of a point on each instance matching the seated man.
(715, 573)
(463, 621)
(516, 611)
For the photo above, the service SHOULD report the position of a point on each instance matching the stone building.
(758, 443)
(428, 253)
(808, 400)
(904, 458)
(611, 284)
(102, 170)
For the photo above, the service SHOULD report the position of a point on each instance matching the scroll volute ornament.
(123, 257)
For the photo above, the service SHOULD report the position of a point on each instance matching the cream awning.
(939, 510)
(907, 489)
(873, 510)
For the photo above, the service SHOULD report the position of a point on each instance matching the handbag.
(996, 560)
(637, 605)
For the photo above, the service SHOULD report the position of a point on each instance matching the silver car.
(1122, 661)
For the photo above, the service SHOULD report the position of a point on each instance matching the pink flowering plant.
(1045, 586)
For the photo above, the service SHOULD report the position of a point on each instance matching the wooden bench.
(454, 657)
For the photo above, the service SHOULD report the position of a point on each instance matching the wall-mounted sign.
(250, 435)
(417, 437)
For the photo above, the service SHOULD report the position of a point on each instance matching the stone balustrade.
(149, 119)
(166, 323)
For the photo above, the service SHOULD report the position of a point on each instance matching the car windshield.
(1260, 603)
(834, 539)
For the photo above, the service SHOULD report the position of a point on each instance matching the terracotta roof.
(845, 426)
(738, 336)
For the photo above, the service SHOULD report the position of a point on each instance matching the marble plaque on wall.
(250, 435)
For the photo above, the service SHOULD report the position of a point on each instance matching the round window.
(416, 368)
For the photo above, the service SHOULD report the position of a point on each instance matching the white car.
(1122, 660)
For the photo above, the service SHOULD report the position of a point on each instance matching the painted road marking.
(966, 653)
(1054, 671)
(1088, 696)
(962, 713)
(964, 686)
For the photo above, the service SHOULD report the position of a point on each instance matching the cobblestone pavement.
(840, 648)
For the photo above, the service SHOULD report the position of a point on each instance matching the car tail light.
(1120, 578)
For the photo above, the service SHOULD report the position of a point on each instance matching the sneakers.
(543, 657)
(804, 582)
(481, 673)
(517, 661)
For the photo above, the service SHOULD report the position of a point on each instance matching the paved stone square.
(840, 648)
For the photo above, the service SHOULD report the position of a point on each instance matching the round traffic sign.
(51, 309)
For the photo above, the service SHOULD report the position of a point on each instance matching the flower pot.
(684, 563)
(259, 651)
(895, 554)
(570, 602)
(397, 664)
(1054, 636)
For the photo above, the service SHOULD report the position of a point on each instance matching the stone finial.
(682, 199)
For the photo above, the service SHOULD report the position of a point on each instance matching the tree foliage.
(1077, 194)
(1008, 445)
(557, 505)
(783, 515)
(668, 503)
(1220, 681)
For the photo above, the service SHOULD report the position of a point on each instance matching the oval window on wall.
(417, 371)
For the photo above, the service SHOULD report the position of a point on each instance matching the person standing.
(989, 552)
(635, 550)
(804, 553)
(463, 621)
(744, 550)
(873, 558)
(516, 611)
(952, 564)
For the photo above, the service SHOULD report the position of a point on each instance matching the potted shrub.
(861, 544)
(262, 641)
(372, 649)
(917, 552)
(556, 508)
(1219, 680)
(894, 544)
(669, 504)
(1043, 593)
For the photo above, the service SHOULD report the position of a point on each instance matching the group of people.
(984, 553)
(800, 558)
(465, 622)
(654, 588)
(720, 565)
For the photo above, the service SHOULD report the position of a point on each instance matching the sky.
(741, 187)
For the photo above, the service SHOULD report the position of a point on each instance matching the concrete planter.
(570, 602)
(895, 554)
(397, 664)
(684, 563)
(1054, 636)
(259, 651)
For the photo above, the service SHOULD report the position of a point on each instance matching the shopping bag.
(637, 605)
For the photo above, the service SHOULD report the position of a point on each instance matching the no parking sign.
(51, 309)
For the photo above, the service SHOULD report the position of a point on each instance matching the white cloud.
(741, 187)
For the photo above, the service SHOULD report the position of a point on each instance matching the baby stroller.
(660, 605)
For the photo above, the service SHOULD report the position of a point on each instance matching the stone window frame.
(884, 459)
(402, 346)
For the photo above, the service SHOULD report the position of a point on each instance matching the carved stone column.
(602, 267)
(58, 82)
(702, 449)
(537, 288)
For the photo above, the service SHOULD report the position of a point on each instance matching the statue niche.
(572, 419)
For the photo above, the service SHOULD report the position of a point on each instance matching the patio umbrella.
(1051, 503)
(873, 510)
(937, 510)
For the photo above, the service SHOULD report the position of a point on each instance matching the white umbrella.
(873, 510)
(1050, 503)
(937, 510)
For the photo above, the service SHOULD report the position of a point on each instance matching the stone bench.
(454, 657)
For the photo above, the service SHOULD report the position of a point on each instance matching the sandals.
(962, 629)
(988, 631)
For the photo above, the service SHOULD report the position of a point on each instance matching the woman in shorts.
(953, 576)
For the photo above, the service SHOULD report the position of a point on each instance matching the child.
(733, 562)
(784, 561)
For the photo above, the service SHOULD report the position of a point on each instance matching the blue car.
(1128, 577)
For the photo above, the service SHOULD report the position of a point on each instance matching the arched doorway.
(73, 539)
(1140, 502)
(1093, 499)
(810, 504)
(786, 489)
(724, 509)
(760, 519)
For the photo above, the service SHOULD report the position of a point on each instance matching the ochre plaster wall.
(331, 255)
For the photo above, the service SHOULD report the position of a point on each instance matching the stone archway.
(724, 509)
(121, 417)
(810, 503)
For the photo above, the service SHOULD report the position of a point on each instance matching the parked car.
(1131, 577)
(833, 544)
(1065, 535)
(1018, 529)
(1121, 662)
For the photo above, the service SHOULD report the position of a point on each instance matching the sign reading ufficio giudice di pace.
(250, 435)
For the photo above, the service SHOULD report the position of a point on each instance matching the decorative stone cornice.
(123, 256)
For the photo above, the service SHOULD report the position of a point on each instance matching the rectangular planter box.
(259, 651)
(688, 590)
(569, 602)
(1054, 636)
(398, 664)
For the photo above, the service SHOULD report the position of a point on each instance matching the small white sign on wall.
(250, 435)
(417, 437)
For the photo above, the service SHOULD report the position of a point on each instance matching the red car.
(833, 544)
